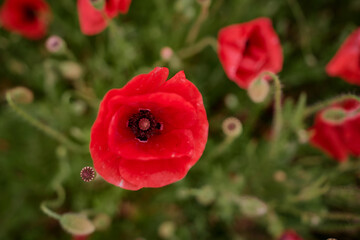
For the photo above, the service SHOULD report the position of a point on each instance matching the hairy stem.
(198, 47)
(321, 105)
(45, 128)
(194, 31)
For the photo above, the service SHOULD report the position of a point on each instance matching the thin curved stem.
(278, 121)
(194, 31)
(198, 47)
(321, 105)
(44, 206)
(44, 128)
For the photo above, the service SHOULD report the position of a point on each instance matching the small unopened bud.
(334, 115)
(232, 127)
(166, 230)
(205, 195)
(71, 70)
(55, 44)
(98, 4)
(87, 174)
(303, 136)
(21, 95)
(166, 53)
(102, 222)
(258, 90)
(280, 176)
(252, 206)
(205, 3)
(231, 101)
(76, 224)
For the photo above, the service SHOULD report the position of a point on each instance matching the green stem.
(198, 47)
(321, 105)
(220, 148)
(194, 31)
(278, 121)
(44, 128)
(44, 206)
(49, 212)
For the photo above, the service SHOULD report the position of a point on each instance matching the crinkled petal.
(157, 173)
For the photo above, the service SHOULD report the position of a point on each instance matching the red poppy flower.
(337, 130)
(26, 17)
(248, 49)
(150, 132)
(346, 63)
(290, 235)
(93, 21)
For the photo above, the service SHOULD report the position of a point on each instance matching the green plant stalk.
(321, 105)
(44, 128)
(194, 31)
(198, 47)
(278, 121)
(44, 206)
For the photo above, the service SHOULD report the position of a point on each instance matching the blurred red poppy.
(337, 130)
(29, 18)
(290, 235)
(150, 132)
(248, 49)
(94, 21)
(346, 63)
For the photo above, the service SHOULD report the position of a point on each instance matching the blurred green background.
(225, 193)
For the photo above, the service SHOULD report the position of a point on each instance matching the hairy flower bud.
(76, 224)
(71, 70)
(166, 230)
(21, 95)
(102, 222)
(258, 90)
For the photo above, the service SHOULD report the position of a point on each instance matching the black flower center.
(29, 13)
(144, 125)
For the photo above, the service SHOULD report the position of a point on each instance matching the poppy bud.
(166, 53)
(258, 90)
(102, 222)
(98, 4)
(21, 95)
(76, 224)
(71, 70)
(166, 230)
(231, 101)
(251, 206)
(232, 127)
(280, 176)
(55, 44)
(205, 195)
(334, 115)
(205, 3)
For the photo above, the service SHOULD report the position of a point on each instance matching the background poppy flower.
(338, 135)
(27, 17)
(346, 63)
(248, 49)
(94, 21)
(150, 132)
(290, 235)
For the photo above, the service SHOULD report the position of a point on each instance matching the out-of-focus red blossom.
(78, 237)
(29, 18)
(150, 132)
(346, 63)
(341, 138)
(248, 49)
(290, 235)
(94, 21)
